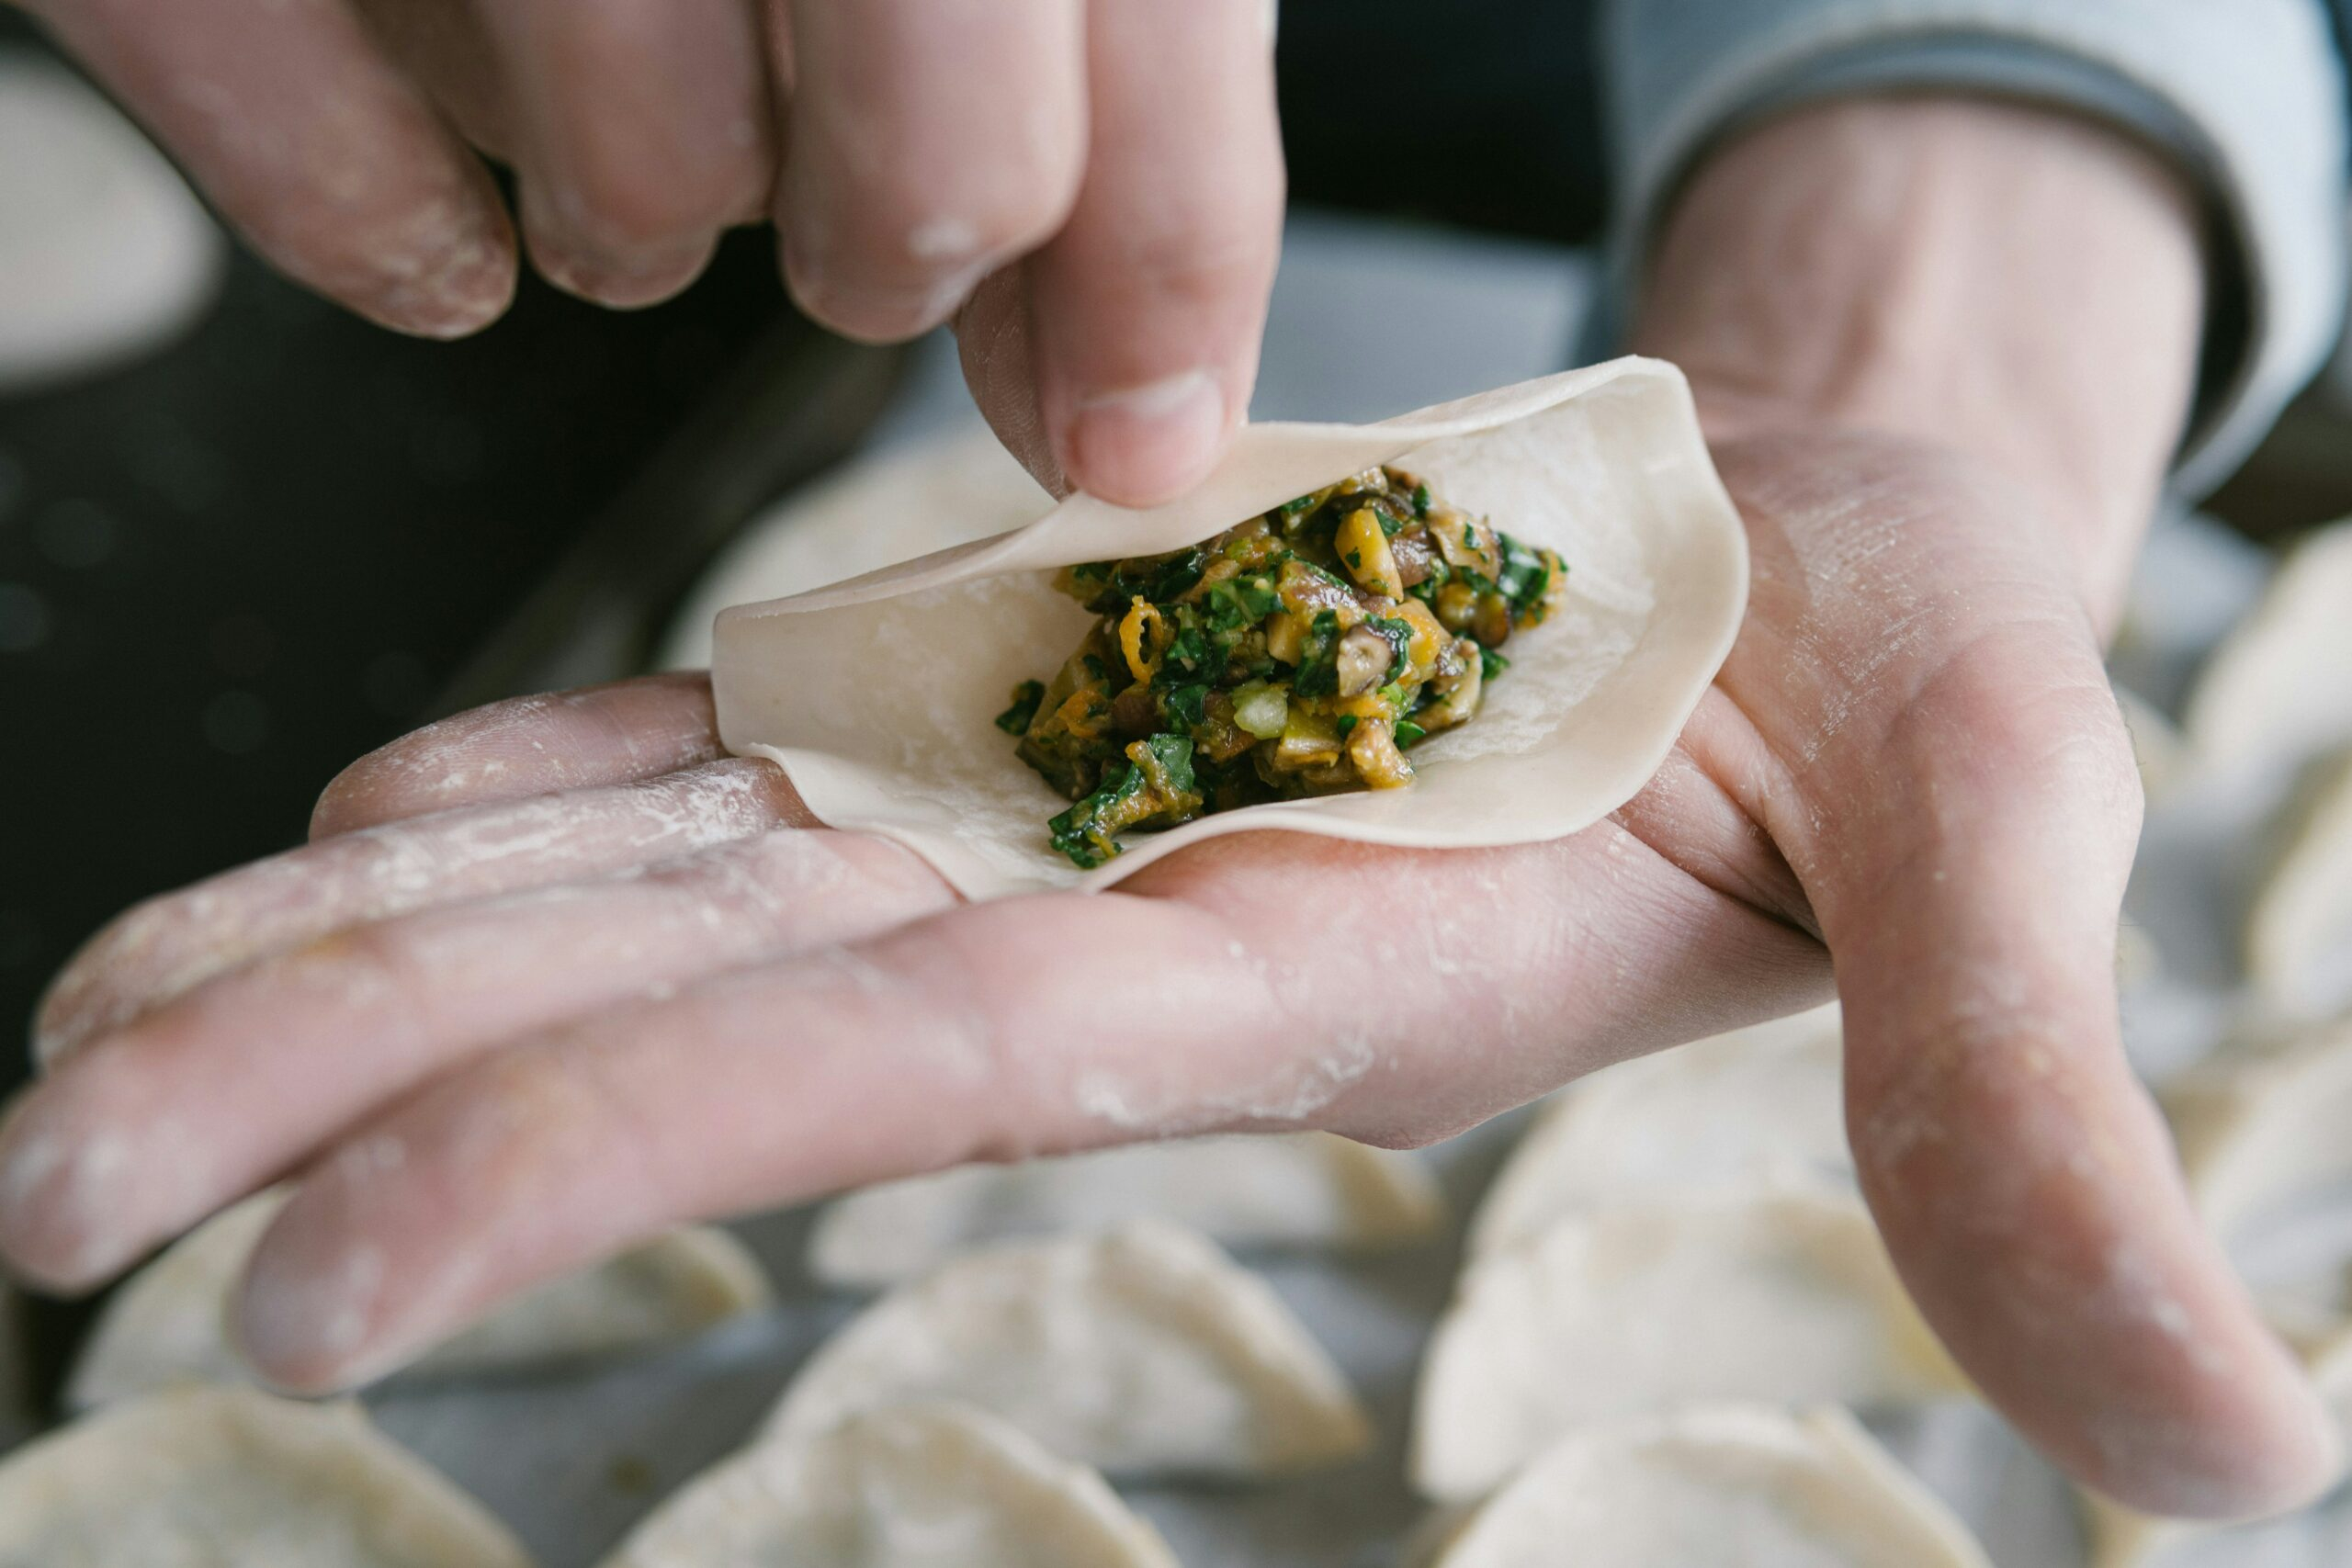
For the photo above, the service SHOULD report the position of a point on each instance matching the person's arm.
(1946, 349)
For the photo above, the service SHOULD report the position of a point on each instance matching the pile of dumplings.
(1671, 1305)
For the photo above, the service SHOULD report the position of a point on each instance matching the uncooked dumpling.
(105, 253)
(1784, 1298)
(1717, 1113)
(2274, 694)
(879, 695)
(168, 1323)
(932, 1485)
(1289, 1190)
(1722, 1486)
(2299, 932)
(1144, 1350)
(2259, 1125)
(234, 1478)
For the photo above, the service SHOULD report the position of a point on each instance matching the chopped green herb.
(1186, 705)
(1347, 725)
(1015, 720)
(1407, 732)
(1420, 500)
(1491, 664)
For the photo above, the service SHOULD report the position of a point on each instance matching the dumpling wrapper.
(2260, 1126)
(1714, 1115)
(2274, 694)
(875, 511)
(200, 1477)
(1296, 1189)
(168, 1323)
(2299, 929)
(1783, 1298)
(878, 696)
(1716, 1486)
(1143, 1351)
(933, 1485)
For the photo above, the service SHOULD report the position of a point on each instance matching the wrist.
(2014, 284)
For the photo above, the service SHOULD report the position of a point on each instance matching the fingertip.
(617, 278)
(1146, 445)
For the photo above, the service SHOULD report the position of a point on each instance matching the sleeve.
(2248, 96)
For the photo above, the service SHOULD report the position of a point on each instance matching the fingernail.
(63, 1199)
(623, 283)
(302, 1322)
(1141, 445)
(857, 309)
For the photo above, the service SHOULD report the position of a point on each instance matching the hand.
(611, 981)
(500, 1039)
(1099, 181)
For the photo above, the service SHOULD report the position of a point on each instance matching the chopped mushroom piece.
(1298, 653)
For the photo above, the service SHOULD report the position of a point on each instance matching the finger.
(315, 146)
(642, 129)
(147, 1129)
(173, 944)
(1965, 818)
(594, 737)
(1149, 304)
(931, 142)
(1005, 1030)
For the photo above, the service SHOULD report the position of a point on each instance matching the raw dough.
(2274, 694)
(1721, 1486)
(103, 252)
(2259, 1125)
(935, 1486)
(1144, 1350)
(1289, 1190)
(890, 506)
(878, 696)
(168, 1323)
(2299, 931)
(1785, 1298)
(232, 1478)
(1715, 1114)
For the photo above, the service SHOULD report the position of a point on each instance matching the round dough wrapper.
(2273, 697)
(878, 696)
(234, 1478)
(2258, 1126)
(1780, 1298)
(2299, 929)
(105, 254)
(1298, 1189)
(1715, 1114)
(168, 1323)
(924, 1485)
(1144, 1350)
(1729, 1486)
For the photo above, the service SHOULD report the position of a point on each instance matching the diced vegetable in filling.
(1302, 652)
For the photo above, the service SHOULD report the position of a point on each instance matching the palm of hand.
(509, 1036)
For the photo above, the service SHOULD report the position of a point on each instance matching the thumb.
(2023, 1181)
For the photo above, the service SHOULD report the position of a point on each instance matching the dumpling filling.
(1302, 652)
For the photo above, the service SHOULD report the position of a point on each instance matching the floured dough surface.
(1718, 1114)
(1289, 1190)
(232, 1478)
(104, 251)
(1715, 1487)
(168, 1323)
(878, 696)
(1783, 1298)
(912, 1487)
(1144, 1350)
